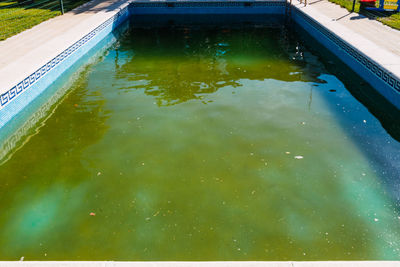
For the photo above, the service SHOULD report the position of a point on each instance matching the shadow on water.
(381, 151)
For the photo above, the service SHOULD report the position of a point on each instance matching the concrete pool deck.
(202, 264)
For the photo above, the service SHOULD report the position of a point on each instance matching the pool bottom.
(190, 143)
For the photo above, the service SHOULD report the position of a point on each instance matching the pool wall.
(19, 96)
(193, 7)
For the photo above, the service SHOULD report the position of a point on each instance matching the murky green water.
(192, 143)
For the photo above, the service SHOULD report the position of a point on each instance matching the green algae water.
(206, 143)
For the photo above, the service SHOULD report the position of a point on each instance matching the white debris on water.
(298, 157)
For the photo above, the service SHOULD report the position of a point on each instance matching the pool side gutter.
(201, 264)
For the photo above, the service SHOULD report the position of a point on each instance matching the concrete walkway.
(376, 32)
(202, 264)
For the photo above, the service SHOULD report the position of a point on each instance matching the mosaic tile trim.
(372, 66)
(209, 4)
(26, 83)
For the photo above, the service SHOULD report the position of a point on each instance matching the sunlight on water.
(195, 143)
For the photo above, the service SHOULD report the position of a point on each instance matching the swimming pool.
(183, 141)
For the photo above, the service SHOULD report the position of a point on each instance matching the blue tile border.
(382, 74)
(33, 78)
(208, 4)
(210, 7)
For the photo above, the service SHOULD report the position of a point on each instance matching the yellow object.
(390, 5)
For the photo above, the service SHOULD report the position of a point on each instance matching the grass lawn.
(15, 18)
(392, 20)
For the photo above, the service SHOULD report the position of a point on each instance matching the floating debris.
(298, 157)
(364, 121)
(287, 152)
(376, 219)
(99, 173)
(92, 214)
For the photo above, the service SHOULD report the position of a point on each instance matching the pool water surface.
(205, 143)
